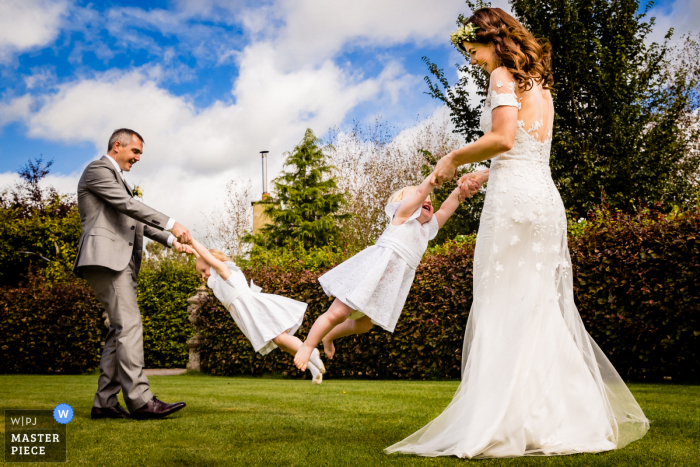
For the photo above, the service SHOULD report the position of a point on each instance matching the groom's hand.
(182, 234)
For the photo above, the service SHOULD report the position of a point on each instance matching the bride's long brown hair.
(529, 60)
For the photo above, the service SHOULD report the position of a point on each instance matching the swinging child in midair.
(371, 287)
(267, 320)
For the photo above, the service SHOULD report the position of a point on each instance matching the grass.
(279, 422)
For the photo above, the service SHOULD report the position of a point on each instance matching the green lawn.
(279, 422)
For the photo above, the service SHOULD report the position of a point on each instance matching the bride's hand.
(445, 170)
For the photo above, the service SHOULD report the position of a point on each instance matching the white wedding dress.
(533, 381)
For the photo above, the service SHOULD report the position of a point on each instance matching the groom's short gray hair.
(124, 136)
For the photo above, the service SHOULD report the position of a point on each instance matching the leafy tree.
(39, 227)
(626, 122)
(307, 204)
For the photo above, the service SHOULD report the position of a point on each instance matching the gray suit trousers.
(121, 366)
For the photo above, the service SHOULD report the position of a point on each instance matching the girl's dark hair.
(528, 59)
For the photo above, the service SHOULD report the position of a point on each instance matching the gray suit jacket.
(113, 221)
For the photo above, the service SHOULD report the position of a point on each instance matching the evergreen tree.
(305, 211)
(626, 119)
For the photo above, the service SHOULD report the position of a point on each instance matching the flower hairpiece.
(464, 33)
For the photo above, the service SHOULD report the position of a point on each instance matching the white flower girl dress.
(260, 316)
(376, 281)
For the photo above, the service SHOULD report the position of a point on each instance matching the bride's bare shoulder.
(501, 80)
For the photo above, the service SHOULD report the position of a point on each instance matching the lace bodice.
(533, 136)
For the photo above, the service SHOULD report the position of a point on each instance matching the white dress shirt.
(171, 221)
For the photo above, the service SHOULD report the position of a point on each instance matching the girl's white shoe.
(317, 362)
(316, 375)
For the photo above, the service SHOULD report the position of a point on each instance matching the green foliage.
(636, 286)
(56, 325)
(296, 258)
(163, 290)
(577, 228)
(638, 289)
(48, 233)
(620, 113)
(49, 328)
(446, 247)
(39, 228)
(307, 204)
(626, 122)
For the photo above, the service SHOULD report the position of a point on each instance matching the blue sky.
(209, 83)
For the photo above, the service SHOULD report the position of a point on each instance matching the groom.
(109, 256)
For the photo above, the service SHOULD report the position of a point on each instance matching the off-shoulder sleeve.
(232, 266)
(391, 209)
(213, 277)
(433, 228)
(502, 89)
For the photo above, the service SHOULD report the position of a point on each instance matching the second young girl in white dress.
(371, 287)
(268, 321)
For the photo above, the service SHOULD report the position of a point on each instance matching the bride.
(533, 381)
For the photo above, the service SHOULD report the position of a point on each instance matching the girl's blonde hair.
(220, 255)
(402, 194)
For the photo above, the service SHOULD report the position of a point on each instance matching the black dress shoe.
(109, 412)
(156, 409)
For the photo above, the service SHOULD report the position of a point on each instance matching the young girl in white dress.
(371, 287)
(267, 320)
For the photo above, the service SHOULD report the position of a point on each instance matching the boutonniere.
(138, 191)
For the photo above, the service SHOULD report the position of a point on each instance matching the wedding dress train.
(533, 380)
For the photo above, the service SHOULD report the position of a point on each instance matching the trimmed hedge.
(50, 328)
(163, 291)
(636, 283)
(58, 327)
(637, 280)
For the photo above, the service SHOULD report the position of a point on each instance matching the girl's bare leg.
(347, 328)
(287, 343)
(291, 345)
(336, 314)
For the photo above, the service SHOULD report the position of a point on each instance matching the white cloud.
(15, 109)
(287, 81)
(191, 153)
(271, 108)
(317, 29)
(681, 15)
(26, 24)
